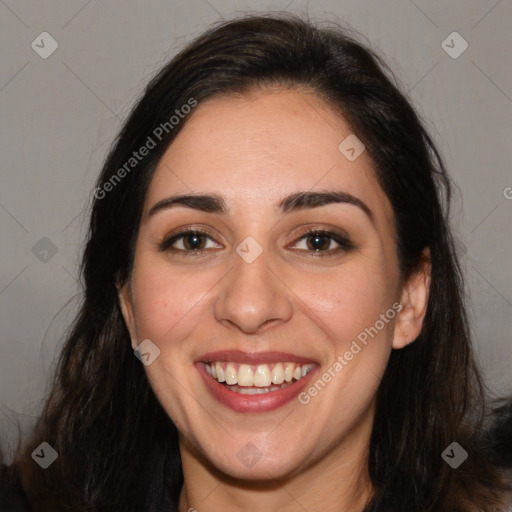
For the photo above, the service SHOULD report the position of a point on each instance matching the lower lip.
(253, 403)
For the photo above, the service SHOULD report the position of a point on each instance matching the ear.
(126, 303)
(414, 300)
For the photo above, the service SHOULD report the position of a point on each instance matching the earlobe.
(414, 301)
(126, 304)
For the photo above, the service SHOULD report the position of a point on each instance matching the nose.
(253, 296)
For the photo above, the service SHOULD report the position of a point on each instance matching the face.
(295, 303)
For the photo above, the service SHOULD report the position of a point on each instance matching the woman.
(268, 238)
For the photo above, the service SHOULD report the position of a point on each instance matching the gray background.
(60, 114)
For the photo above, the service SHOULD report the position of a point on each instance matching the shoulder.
(12, 497)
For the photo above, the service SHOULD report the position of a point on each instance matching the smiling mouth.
(247, 379)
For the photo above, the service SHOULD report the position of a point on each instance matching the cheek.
(355, 306)
(163, 299)
(349, 300)
(350, 306)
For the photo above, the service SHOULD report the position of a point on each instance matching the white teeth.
(278, 374)
(288, 372)
(256, 391)
(263, 376)
(220, 372)
(231, 375)
(245, 375)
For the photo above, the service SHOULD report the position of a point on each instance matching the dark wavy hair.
(118, 449)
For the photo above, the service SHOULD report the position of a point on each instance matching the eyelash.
(344, 242)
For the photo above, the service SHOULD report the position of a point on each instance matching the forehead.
(258, 148)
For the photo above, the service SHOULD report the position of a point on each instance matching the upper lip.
(237, 356)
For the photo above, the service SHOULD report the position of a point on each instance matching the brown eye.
(192, 241)
(319, 241)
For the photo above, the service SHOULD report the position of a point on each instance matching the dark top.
(12, 497)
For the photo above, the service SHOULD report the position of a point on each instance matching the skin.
(254, 150)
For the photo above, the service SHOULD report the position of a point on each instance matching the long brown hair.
(117, 448)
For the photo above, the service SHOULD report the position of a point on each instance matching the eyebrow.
(214, 203)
